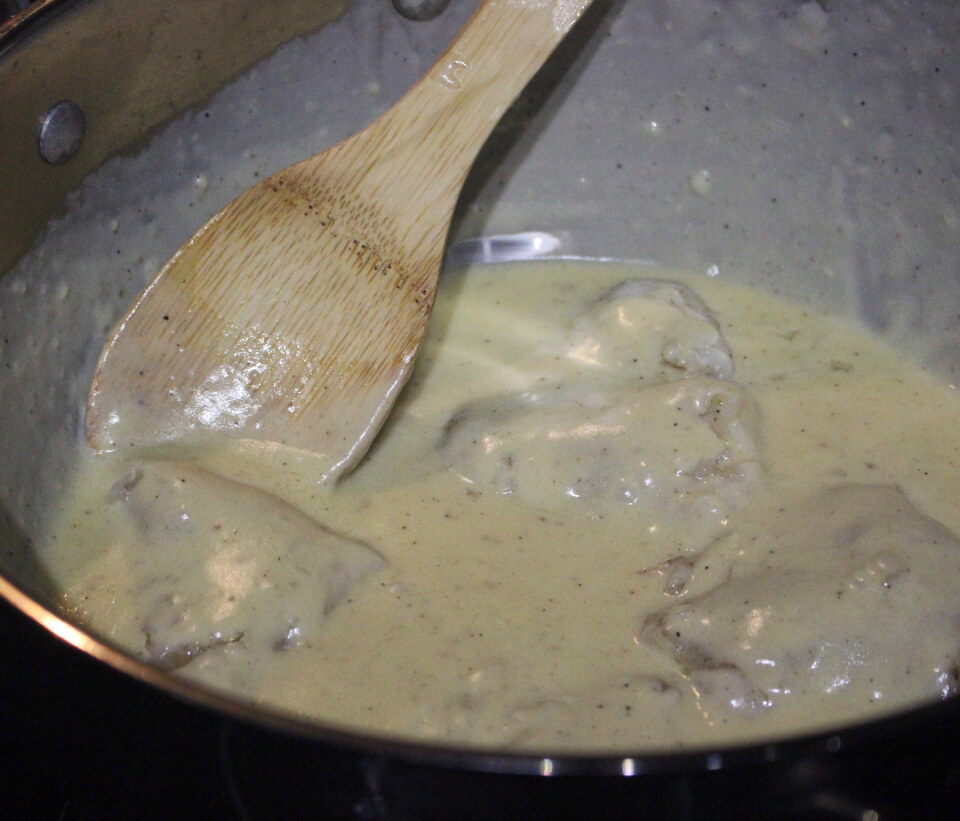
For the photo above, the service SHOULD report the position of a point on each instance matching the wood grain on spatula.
(295, 314)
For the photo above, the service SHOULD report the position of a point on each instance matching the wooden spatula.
(295, 314)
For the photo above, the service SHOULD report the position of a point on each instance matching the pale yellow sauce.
(598, 519)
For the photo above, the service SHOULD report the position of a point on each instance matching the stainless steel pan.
(99, 734)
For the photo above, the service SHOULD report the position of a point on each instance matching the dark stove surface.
(81, 741)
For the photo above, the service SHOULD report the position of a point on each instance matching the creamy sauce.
(611, 511)
(806, 148)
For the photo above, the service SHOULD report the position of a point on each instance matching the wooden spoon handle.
(488, 64)
(443, 120)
